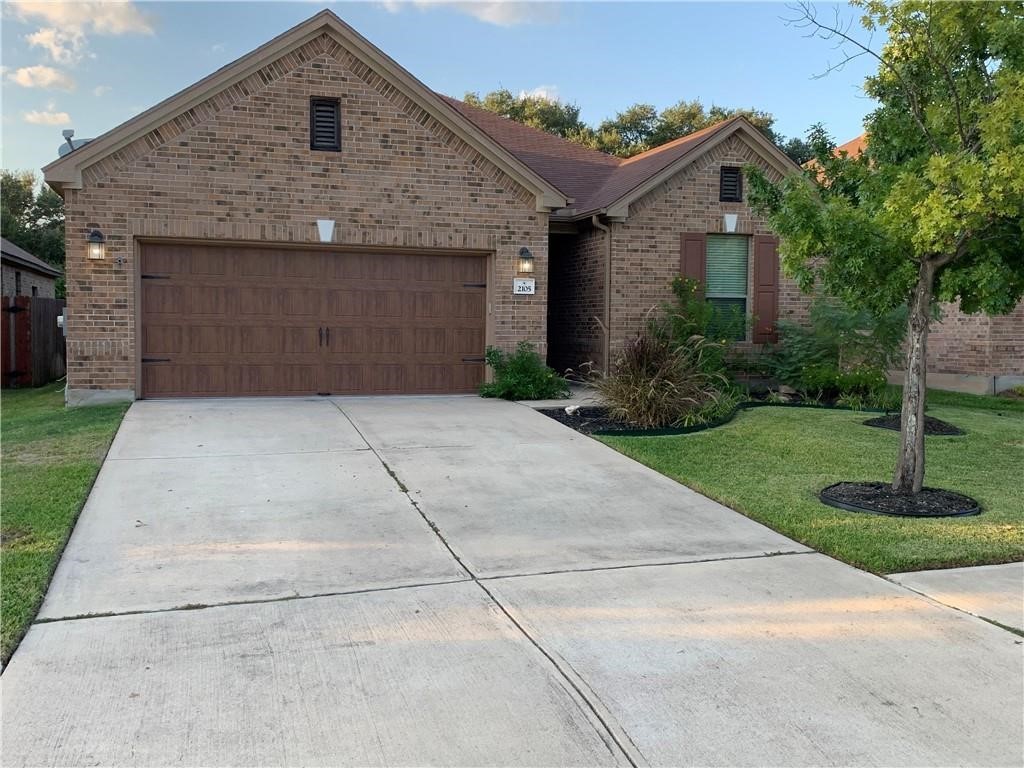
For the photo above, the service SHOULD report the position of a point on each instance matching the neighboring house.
(24, 274)
(967, 353)
(313, 219)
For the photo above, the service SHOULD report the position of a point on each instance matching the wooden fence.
(33, 346)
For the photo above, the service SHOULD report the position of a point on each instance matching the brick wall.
(977, 344)
(577, 276)
(45, 286)
(238, 167)
(646, 246)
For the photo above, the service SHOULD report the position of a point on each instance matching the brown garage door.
(220, 321)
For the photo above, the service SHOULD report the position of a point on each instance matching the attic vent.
(325, 124)
(731, 190)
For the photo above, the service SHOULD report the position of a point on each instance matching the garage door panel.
(254, 321)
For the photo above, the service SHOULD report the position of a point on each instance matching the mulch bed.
(588, 420)
(932, 426)
(879, 499)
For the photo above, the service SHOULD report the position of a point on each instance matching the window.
(35, 290)
(17, 283)
(325, 124)
(726, 284)
(730, 185)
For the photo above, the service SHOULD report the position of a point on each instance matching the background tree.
(33, 218)
(536, 111)
(934, 209)
(634, 130)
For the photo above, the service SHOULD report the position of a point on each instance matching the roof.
(599, 182)
(67, 170)
(14, 255)
(853, 148)
(572, 180)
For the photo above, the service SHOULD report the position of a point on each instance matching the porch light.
(525, 261)
(97, 245)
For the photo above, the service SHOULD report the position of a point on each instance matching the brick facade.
(44, 284)
(977, 345)
(646, 245)
(577, 276)
(238, 168)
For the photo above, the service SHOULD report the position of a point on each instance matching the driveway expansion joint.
(605, 731)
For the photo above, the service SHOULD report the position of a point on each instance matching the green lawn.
(50, 456)
(769, 464)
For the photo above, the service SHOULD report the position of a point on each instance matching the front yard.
(769, 464)
(50, 458)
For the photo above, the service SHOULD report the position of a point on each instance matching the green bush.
(656, 382)
(840, 353)
(689, 314)
(522, 375)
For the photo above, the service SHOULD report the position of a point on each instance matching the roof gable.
(16, 255)
(67, 171)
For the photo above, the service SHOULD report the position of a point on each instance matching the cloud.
(548, 92)
(49, 116)
(217, 48)
(41, 77)
(63, 47)
(502, 13)
(67, 23)
(101, 90)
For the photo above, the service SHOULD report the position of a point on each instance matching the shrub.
(656, 382)
(522, 375)
(689, 314)
(840, 352)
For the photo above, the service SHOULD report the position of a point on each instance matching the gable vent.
(325, 124)
(731, 190)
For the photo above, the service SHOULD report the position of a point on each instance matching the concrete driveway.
(453, 581)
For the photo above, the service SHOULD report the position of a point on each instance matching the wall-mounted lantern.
(97, 245)
(525, 261)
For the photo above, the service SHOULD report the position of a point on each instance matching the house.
(313, 219)
(24, 274)
(966, 353)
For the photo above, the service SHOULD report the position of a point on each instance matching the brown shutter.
(766, 289)
(693, 256)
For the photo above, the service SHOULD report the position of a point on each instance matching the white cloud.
(548, 92)
(217, 48)
(41, 77)
(101, 90)
(63, 47)
(502, 13)
(48, 116)
(67, 23)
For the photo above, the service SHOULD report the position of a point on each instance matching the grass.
(769, 464)
(49, 459)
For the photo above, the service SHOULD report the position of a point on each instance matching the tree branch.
(809, 18)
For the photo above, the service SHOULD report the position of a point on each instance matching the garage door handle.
(328, 335)
(320, 331)
(156, 359)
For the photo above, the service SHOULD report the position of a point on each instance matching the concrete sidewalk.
(993, 592)
(453, 581)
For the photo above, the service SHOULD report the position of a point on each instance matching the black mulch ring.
(879, 499)
(932, 426)
(588, 420)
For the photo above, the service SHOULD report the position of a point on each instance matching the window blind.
(727, 266)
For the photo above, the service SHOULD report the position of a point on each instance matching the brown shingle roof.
(15, 255)
(574, 169)
(595, 180)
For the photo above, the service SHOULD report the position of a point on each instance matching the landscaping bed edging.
(879, 499)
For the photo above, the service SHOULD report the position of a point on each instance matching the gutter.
(607, 351)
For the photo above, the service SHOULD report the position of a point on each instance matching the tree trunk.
(909, 476)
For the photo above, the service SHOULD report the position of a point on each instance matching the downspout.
(596, 221)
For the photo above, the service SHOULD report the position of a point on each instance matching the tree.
(934, 209)
(537, 111)
(33, 220)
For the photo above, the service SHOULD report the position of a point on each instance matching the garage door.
(220, 321)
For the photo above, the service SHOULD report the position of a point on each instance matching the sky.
(92, 65)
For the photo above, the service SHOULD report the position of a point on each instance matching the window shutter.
(325, 124)
(692, 256)
(766, 289)
(727, 266)
(730, 185)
